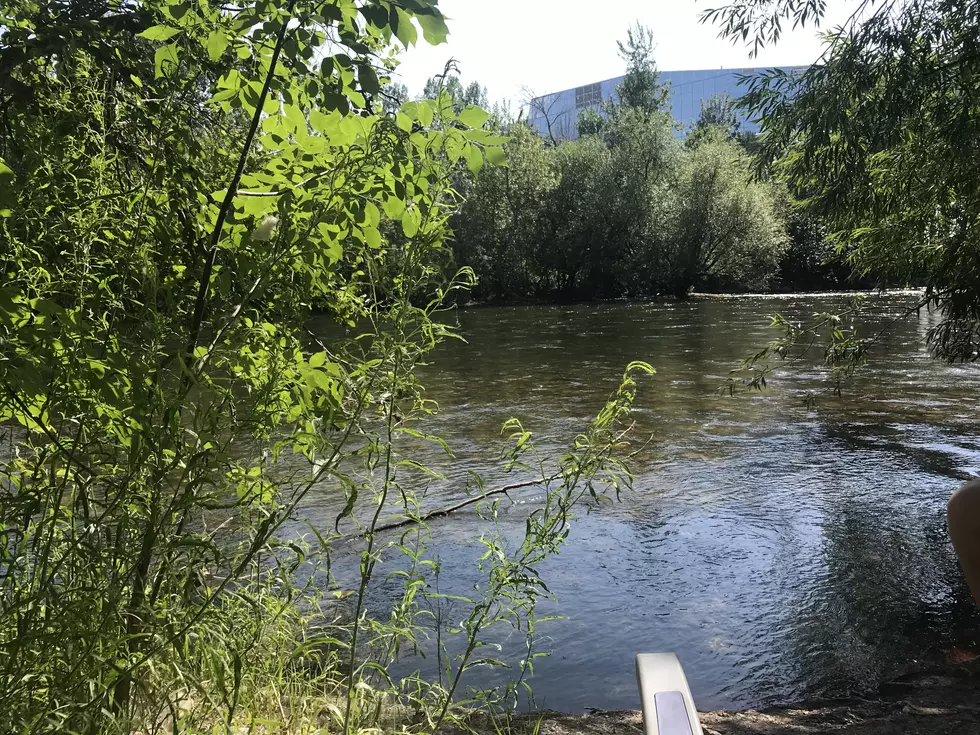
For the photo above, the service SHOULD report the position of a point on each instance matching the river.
(783, 552)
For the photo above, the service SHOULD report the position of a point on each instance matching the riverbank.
(941, 702)
(671, 299)
(810, 294)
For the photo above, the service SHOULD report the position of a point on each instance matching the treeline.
(627, 213)
(631, 210)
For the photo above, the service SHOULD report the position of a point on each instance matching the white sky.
(550, 45)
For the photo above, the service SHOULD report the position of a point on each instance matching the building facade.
(556, 114)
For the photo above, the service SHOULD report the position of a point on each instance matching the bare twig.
(439, 512)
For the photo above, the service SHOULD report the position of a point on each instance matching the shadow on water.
(889, 599)
(781, 552)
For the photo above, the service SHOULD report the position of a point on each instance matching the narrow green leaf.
(348, 508)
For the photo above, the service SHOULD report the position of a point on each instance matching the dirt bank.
(938, 703)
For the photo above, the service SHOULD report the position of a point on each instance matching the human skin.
(963, 519)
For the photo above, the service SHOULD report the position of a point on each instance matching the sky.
(517, 47)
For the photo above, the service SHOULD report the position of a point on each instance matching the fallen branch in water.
(457, 506)
(438, 512)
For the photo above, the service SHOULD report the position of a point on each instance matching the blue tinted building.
(556, 114)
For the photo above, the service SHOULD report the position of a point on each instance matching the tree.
(498, 228)
(645, 159)
(640, 88)
(728, 227)
(624, 210)
(393, 96)
(590, 122)
(575, 219)
(181, 184)
(750, 141)
(706, 134)
(811, 260)
(472, 94)
(717, 113)
(879, 139)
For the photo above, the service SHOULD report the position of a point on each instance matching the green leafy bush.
(182, 185)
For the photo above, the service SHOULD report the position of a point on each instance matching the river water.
(783, 552)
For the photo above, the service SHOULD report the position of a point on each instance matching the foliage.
(182, 184)
(575, 220)
(625, 210)
(590, 122)
(812, 261)
(498, 231)
(641, 196)
(640, 88)
(728, 232)
(472, 94)
(586, 219)
(750, 141)
(879, 140)
(393, 96)
(844, 348)
(718, 113)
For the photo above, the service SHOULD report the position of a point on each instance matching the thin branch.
(202, 294)
(439, 512)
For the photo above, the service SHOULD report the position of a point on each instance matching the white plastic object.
(668, 707)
